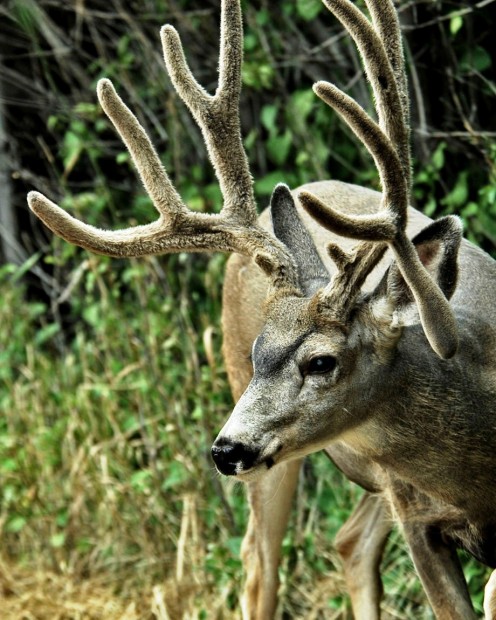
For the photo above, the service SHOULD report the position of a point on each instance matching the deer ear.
(437, 248)
(289, 229)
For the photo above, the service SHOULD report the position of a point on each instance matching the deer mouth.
(263, 465)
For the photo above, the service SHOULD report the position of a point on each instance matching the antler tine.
(381, 226)
(352, 270)
(217, 115)
(386, 23)
(376, 60)
(392, 127)
(133, 241)
(437, 319)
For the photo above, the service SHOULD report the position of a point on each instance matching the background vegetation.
(111, 380)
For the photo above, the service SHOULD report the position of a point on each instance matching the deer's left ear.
(289, 229)
(437, 248)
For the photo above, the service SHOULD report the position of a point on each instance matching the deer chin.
(269, 457)
(254, 473)
(272, 457)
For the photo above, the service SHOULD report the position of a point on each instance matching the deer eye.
(320, 365)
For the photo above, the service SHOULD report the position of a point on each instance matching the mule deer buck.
(382, 353)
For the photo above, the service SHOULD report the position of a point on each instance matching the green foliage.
(110, 403)
(471, 197)
(309, 9)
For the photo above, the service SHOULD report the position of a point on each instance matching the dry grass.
(30, 592)
(44, 595)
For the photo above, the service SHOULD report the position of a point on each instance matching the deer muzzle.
(232, 458)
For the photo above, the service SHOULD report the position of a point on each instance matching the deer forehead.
(293, 315)
(292, 329)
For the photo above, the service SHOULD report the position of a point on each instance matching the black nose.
(231, 458)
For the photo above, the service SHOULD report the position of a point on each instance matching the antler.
(380, 47)
(235, 228)
(339, 296)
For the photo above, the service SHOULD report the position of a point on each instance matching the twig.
(459, 13)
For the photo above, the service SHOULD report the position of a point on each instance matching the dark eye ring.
(320, 365)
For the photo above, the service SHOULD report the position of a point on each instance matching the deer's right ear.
(289, 229)
(437, 248)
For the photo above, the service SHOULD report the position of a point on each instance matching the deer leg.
(440, 571)
(490, 598)
(270, 503)
(360, 543)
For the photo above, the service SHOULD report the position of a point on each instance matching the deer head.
(323, 361)
(321, 333)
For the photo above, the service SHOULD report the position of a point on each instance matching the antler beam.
(380, 47)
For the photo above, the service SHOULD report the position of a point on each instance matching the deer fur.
(381, 353)
(410, 443)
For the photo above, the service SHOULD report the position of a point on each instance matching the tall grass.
(105, 467)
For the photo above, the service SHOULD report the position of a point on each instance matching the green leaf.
(140, 480)
(16, 524)
(262, 17)
(470, 210)
(123, 157)
(91, 314)
(250, 42)
(302, 102)
(487, 225)
(258, 75)
(266, 184)
(46, 333)
(456, 22)
(131, 423)
(25, 267)
(234, 545)
(57, 540)
(72, 148)
(268, 117)
(488, 194)
(52, 122)
(438, 156)
(178, 474)
(476, 58)
(8, 466)
(89, 110)
(430, 207)
(459, 194)
(197, 413)
(482, 59)
(278, 147)
(308, 9)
